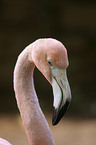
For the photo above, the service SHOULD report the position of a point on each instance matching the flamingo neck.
(36, 126)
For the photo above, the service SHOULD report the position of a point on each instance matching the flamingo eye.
(49, 62)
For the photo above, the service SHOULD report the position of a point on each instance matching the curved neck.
(35, 124)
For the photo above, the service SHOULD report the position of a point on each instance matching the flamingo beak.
(62, 93)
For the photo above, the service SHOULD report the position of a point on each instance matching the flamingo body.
(50, 57)
(4, 142)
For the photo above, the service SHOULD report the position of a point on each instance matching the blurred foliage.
(71, 22)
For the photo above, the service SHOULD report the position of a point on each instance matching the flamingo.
(50, 57)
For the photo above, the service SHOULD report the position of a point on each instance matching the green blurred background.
(71, 22)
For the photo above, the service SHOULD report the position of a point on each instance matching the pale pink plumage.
(37, 53)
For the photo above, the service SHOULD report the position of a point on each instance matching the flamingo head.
(50, 57)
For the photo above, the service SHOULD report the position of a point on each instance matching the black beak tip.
(58, 114)
(54, 120)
